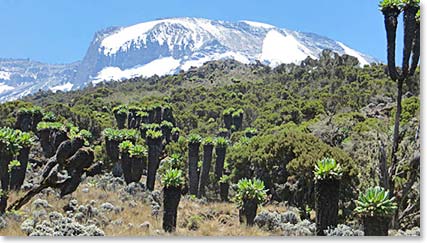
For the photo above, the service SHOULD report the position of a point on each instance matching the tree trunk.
(408, 38)
(45, 143)
(223, 191)
(36, 118)
(228, 121)
(17, 176)
(193, 160)
(248, 212)
(390, 22)
(23, 122)
(326, 204)
(158, 115)
(154, 152)
(220, 159)
(120, 120)
(137, 166)
(171, 198)
(126, 167)
(168, 115)
(4, 180)
(204, 174)
(375, 225)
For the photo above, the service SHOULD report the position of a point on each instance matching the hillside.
(291, 116)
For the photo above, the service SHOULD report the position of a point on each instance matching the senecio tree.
(220, 151)
(250, 194)
(327, 175)
(208, 144)
(28, 118)
(133, 160)
(172, 183)
(194, 141)
(120, 113)
(375, 207)
(154, 142)
(391, 10)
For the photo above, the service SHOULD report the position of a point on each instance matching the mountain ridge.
(166, 46)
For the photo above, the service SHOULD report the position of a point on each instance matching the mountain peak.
(166, 46)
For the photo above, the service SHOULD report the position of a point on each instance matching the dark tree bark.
(171, 198)
(151, 115)
(375, 226)
(36, 118)
(138, 166)
(120, 120)
(175, 136)
(206, 166)
(4, 180)
(326, 204)
(193, 160)
(58, 137)
(17, 176)
(154, 152)
(45, 142)
(248, 212)
(228, 121)
(238, 121)
(220, 159)
(126, 167)
(158, 115)
(168, 115)
(112, 149)
(223, 191)
(23, 122)
(390, 22)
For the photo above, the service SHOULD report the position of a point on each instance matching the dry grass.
(212, 219)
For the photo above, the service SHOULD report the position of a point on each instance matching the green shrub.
(248, 189)
(173, 178)
(375, 201)
(327, 168)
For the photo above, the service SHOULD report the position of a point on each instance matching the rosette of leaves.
(152, 134)
(173, 178)
(142, 114)
(221, 142)
(152, 126)
(120, 110)
(10, 141)
(137, 151)
(166, 124)
(25, 139)
(194, 138)
(49, 117)
(389, 4)
(12, 164)
(125, 146)
(112, 134)
(248, 189)
(176, 130)
(129, 134)
(208, 141)
(237, 113)
(375, 201)
(327, 168)
(228, 111)
(50, 125)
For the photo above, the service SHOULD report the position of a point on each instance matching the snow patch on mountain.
(163, 66)
(278, 48)
(4, 88)
(4, 75)
(63, 87)
(258, 24)
(353, 53)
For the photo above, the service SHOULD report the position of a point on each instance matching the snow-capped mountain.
(20, 77)
(167, 46)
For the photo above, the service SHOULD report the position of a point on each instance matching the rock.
(40, 203)
(145, 226)
(28, 226)
(3, 223)
(343, 230)
(38, 214)
(85, 190)
(108, 207)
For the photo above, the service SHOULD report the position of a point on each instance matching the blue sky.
(59, 31)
